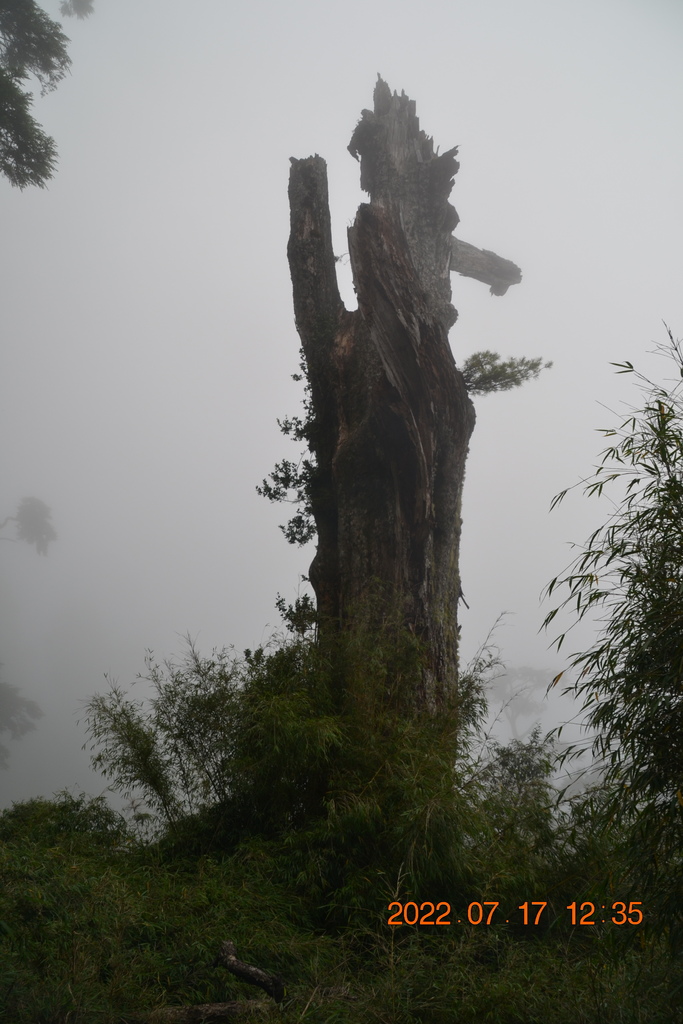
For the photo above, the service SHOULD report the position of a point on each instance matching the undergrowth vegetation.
(282, 800)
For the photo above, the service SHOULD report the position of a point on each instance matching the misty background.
(148, 335)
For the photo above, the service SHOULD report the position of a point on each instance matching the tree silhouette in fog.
(16, 713)
(33, 524)
(76, 8)
(16, 716)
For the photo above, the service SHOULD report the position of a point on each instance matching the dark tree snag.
(391, 418)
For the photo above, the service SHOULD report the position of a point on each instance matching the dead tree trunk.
(391, 418)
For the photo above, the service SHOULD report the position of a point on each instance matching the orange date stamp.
(486, 912)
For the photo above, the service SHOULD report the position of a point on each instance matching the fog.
(148, 335)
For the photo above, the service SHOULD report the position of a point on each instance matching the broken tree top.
(408, 154)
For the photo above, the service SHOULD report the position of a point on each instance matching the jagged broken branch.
(483, 265)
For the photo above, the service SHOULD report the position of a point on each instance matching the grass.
(96, 928)
(295, 800)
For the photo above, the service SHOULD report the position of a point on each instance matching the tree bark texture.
(391, 417)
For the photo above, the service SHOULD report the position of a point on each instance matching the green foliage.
(518, 797)
(27, 155)
(482, 974)
(300, 617)
(31, 44)
(63, 821)
(305, 745)
(241, 739)
(292, 478)
(631, 679)
(294, 482)
(96, 927)
(296, 800)
(178, 750)
(93, 927)
(485, 372)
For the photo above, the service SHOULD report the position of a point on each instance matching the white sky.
(148, 335)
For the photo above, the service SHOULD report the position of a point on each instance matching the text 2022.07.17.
(529, 913)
